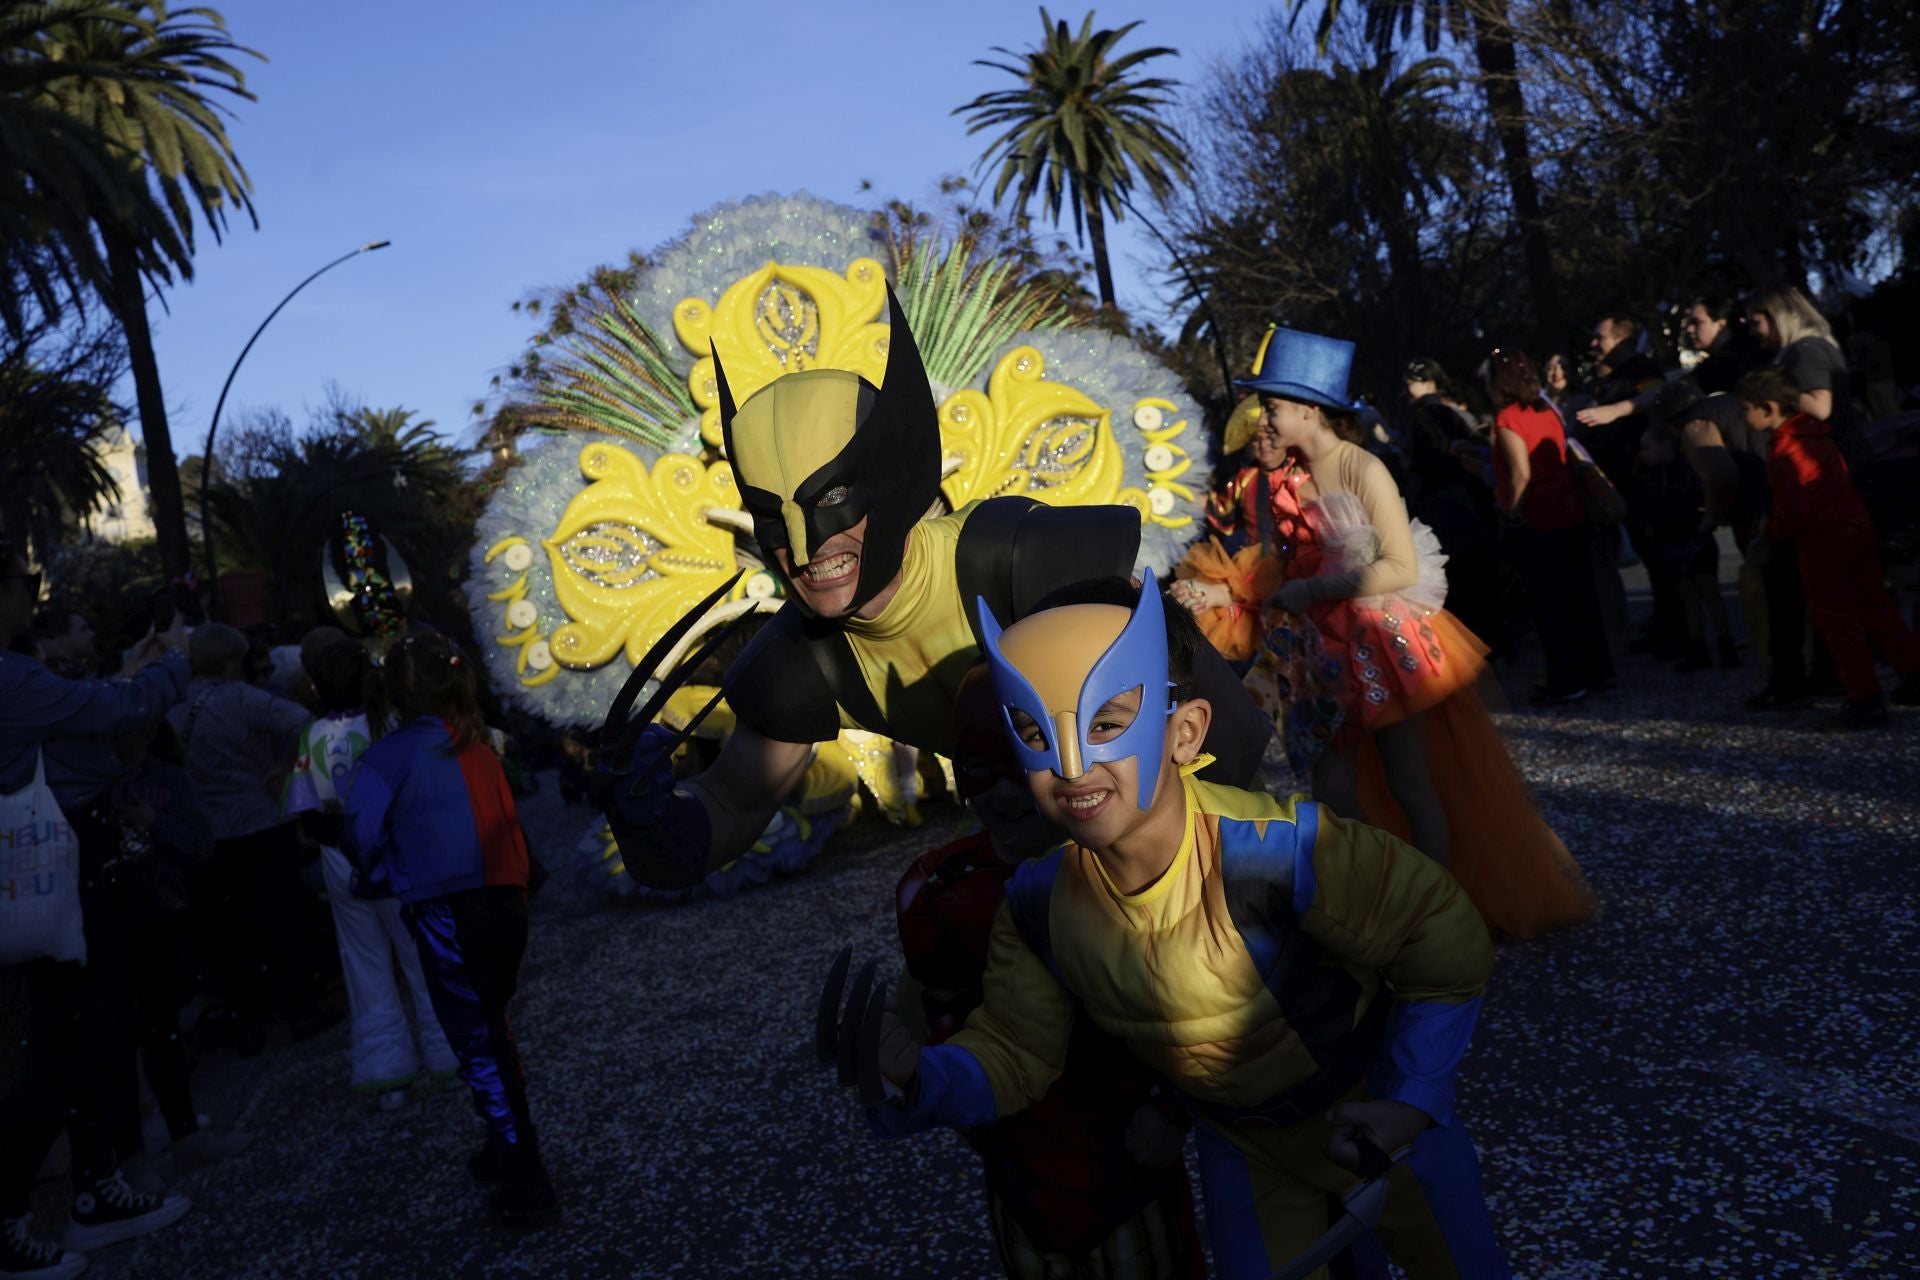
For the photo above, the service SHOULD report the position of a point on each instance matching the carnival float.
(621, 511)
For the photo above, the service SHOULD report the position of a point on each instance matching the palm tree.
(1379, 136)
(275, 517)
(1078, 128)
(396, 429)
(129, 93)
(55, 413)
(1487, 25)
(54, 168)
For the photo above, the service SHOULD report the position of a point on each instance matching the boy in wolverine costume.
(1308, 984)
(839, 476)
(1088, 1182)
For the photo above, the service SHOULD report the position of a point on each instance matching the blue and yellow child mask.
(1060, 666)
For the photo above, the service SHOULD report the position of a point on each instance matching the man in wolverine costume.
(840, 476)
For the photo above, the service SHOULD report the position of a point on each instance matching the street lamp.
(206, 458)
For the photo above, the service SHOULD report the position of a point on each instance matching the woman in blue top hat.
(1369, 677)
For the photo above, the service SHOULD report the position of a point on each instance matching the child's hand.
(1387, 1124)
(1199, 596)
(859, 1031)
(899, 1051)
(1152, 1139)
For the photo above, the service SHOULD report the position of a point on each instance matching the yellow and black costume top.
(873, 453)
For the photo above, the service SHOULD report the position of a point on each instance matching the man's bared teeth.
(1084, 802)
(822, 570)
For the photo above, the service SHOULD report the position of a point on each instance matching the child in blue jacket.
(430, 814)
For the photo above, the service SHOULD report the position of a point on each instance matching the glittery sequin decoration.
(1114, 372)
(612, 555)
(528, 504)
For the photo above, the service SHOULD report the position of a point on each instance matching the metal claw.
(826, 1025)
(643, 670)
(640, 780)
(849, 1034)
(873, 1086)
(671, 682)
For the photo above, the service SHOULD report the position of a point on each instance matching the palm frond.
(610, 373)
(961, 310)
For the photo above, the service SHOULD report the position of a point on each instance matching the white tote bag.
(39, 876)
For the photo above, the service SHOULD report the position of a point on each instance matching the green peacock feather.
(961, 310)
(610, 373)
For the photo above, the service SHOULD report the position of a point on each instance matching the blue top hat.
(1302, 366)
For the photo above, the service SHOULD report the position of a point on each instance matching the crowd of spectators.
(180, 884)
(1548, 473)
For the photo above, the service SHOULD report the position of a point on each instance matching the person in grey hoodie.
(239, 739)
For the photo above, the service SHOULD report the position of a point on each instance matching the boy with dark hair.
(1308, 984)
(1088, 1181)
(1815, 505)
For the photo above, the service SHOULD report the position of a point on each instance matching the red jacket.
(1813, 496)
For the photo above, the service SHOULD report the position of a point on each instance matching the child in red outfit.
(1814, 503)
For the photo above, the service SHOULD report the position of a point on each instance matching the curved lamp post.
(206, 457)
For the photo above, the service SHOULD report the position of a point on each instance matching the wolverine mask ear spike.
(726, 398)
(905, 380)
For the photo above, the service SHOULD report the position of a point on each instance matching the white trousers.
(372, 936)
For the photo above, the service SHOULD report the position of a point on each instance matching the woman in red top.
(1533, 481)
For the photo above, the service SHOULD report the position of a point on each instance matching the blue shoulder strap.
(1030, 902)
(1268, 879)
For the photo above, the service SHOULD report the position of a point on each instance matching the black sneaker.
(1907, 692)
(109, 1211)
(24, 1258)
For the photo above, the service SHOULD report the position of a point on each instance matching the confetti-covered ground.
(1720, 1077)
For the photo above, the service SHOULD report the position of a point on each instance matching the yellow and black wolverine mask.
(818, 451)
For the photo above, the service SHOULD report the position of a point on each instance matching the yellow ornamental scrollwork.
(1028, 435)
(1165, 461)
(635, 550)
(779, 320)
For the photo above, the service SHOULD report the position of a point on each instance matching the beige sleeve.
(1367, 478)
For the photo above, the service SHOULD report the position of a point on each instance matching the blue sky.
(504, 147)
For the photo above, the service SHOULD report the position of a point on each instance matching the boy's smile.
(1100, 807)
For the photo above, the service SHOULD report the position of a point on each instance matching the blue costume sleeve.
(953, 1091)
(1375, 901)
(1425, 1042)
(369, 802)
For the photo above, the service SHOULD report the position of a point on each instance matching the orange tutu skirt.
(1234, 630)
(1512, 865)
